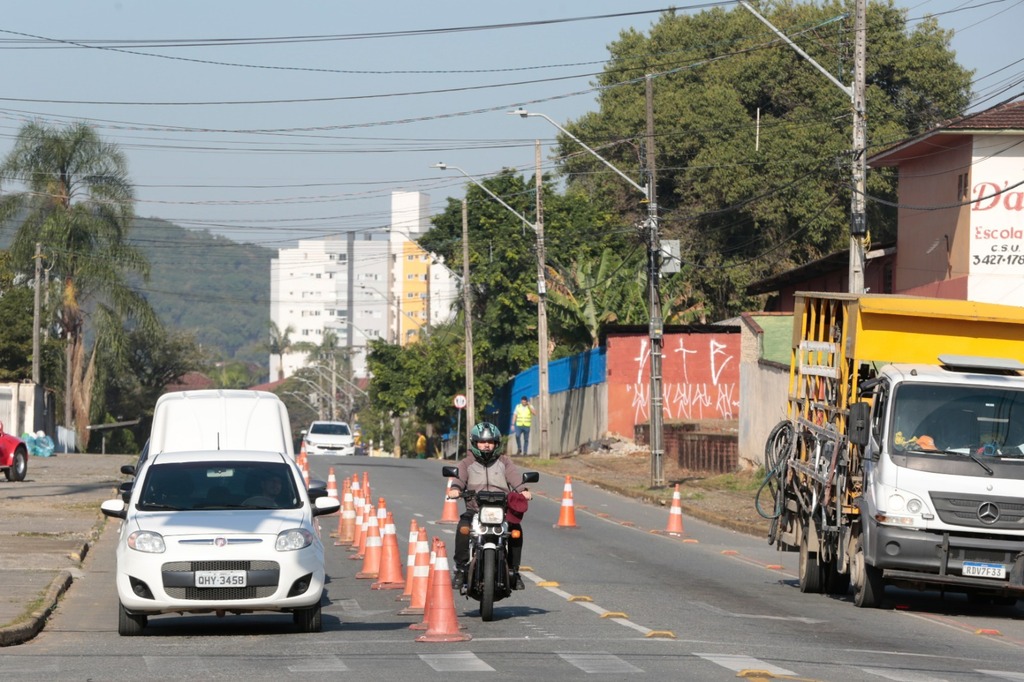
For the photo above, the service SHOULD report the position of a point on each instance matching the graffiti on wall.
(700, 380)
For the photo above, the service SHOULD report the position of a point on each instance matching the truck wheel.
(811, 573)
(868, 586)
(19, 466)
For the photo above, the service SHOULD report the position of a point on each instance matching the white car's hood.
(231, 522)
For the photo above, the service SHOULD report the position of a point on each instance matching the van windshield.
(933, 419)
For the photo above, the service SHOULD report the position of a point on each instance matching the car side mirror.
(325, 505)
(114, 509)
(128, 469)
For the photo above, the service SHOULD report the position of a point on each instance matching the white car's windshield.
(330, 429)
(218, 485)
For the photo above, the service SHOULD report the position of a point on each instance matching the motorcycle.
(489, 578)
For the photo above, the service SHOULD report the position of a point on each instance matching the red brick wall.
(700, 378)
(696, 447)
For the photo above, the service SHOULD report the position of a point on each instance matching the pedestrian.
(421, 445)
(522, 419)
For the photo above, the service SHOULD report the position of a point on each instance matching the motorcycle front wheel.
(488, 586)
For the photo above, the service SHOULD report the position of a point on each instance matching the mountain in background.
(212, 286)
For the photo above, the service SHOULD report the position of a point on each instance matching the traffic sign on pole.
(460, 402)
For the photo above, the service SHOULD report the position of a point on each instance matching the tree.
(279, 343)
(148, 361)
(753, 143)
(78, 204)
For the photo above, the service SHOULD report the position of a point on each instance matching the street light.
(542, 314)
(653, 266)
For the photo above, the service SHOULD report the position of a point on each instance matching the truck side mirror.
(858, 426)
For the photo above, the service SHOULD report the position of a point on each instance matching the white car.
(329, 438)
(219, 532)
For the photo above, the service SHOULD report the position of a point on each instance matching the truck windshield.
(935, 419)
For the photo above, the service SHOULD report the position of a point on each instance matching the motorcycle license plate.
(977, 569)
(220, 578)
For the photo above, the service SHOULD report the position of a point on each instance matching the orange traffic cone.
(347, 518)
(425, 623)
(450, 513)
(410, 561)
(332, 484)
(419, 577)
(302, 451)
(675, 515)
(359, 527)
(567, 517)
(305, 473)
(442, 623)
(372, 553)
(389, 573)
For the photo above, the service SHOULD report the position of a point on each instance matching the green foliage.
(753, 143)
(149, 360)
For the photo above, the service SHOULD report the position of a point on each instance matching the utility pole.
(858, 216)
(467, 305)
(654, 296)
(37, 315)
(542, 318)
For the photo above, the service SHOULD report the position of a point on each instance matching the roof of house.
(1007, 117)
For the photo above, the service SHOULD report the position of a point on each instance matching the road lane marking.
(458, 662)
(737, 663)
(608, 664)
(902, 675)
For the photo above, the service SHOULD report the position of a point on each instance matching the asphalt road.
(607, 597)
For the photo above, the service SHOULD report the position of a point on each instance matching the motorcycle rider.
(488, 469)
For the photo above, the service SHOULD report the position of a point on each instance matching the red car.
(13, 456)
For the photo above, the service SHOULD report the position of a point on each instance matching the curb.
(34, 622)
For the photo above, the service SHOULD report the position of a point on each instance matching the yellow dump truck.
(902, 458)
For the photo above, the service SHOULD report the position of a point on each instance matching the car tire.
(19, 466)
(128, 624)
(308, 620)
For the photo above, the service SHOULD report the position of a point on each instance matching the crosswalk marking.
(737, 663)
(898, 675)
(599, 663)
(321, 664)
(459, 662)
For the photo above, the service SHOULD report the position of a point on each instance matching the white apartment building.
(360, 286)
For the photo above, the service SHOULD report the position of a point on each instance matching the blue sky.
(285, 138)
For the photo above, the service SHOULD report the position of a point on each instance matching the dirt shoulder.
(725, 500)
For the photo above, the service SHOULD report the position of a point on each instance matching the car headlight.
(291, 540)
(147, 541)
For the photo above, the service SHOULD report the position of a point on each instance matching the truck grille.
(984, 512)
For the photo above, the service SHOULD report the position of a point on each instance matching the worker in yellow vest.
(522, 419)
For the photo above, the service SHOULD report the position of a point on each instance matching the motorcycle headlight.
(291, 540)
(147, 541)
(492, 515)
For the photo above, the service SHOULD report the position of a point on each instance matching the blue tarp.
(565, 374)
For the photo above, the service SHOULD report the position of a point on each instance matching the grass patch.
(734, 482)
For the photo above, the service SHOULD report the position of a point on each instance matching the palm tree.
(78, 203)
(280, 343)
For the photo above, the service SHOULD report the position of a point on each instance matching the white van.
(216, 419)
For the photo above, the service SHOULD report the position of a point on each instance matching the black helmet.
(485, 431)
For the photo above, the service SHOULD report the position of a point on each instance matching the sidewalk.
(50, 520)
